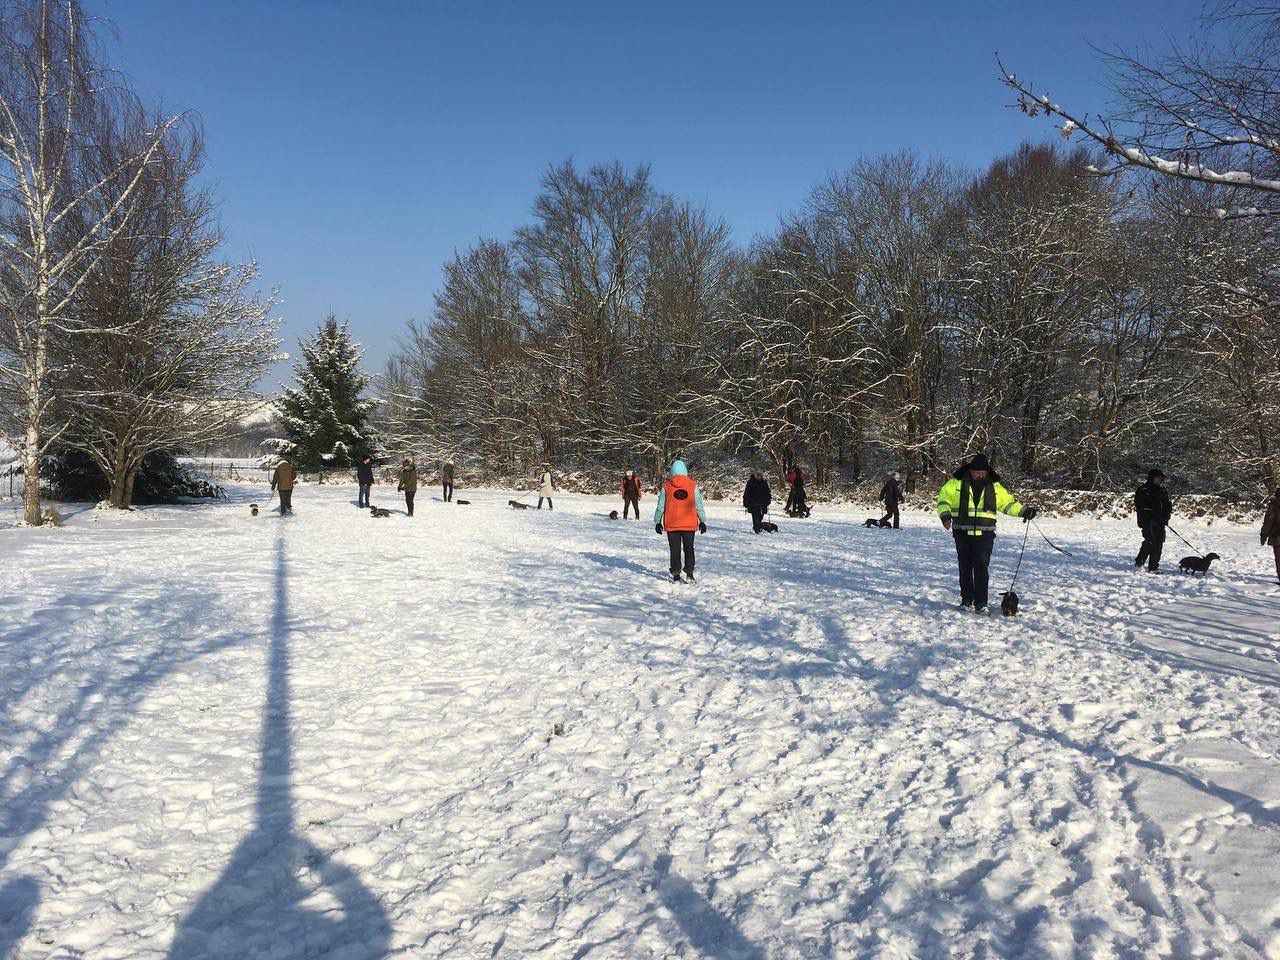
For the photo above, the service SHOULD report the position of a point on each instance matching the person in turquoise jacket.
(967, 505)
(680, 512)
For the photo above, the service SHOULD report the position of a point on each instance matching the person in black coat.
(1154, 508)
(364, 477)
(756, 499)
(891, 494)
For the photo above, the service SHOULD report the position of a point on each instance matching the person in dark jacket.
(891, 494)
(1271, 528)
(630, 494)
(409, 484)
(798, 505)
(364, 477)
(446, 480)
(1151, 501)
(756, 499)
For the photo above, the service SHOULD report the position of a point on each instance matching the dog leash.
(1018, 568)
(1184, 540)
(1065, 553)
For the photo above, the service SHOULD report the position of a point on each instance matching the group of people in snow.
(968, 505)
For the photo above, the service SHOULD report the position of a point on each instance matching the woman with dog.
(680, 512)
(546, 487)
(756, 499)
(630, 494)
(968, 504)
(408, 483)
(446, 480)
(1154, 509)
(1271, 528)
(891, 494)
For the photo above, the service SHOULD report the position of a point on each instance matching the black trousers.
(286, 501)
(757, 518)
(1152, 545)
(676, 540)
(974, 554)
(448, 490)
(891, 511)
(628, 503)
(408, 500)
(550, 505)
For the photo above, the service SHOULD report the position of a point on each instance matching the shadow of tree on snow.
(281, 896)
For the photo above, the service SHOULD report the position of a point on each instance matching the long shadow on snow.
(259, 906)
(18, 901)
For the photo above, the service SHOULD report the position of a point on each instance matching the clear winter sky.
(356, 146)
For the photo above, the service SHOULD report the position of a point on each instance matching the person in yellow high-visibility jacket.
(968, 504)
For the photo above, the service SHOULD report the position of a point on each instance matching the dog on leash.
(769, 527)
(463, 503)
(376, 512)
(517, 505)
(1197, 564)
(875, 522)
(613, 514)
(253, 509)
(1009, 604)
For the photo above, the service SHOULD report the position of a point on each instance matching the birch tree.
(54, 104)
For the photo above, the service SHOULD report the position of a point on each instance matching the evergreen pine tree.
(325, 417)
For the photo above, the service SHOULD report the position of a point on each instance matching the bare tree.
(54, 105)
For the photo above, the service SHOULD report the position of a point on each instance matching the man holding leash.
(1154, 508)
(967, 505)
(282, 480)
(680, 512)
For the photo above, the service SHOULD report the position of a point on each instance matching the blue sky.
(355, 147)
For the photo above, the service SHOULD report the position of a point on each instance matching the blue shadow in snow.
(258, 907)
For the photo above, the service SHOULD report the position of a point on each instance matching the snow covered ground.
(490, 733)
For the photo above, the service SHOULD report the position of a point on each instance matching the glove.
(657, 527)
(702, 527)
(1028, 513)
(946, 523)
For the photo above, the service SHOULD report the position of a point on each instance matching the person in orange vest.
(680, 512)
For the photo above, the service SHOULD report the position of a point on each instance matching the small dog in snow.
(613, 514)
(1197, 564)
(1009, 604)
(874, 522)
(253, 509)
(769, 527)
(379, 512)
(517, 505)
(463, 503)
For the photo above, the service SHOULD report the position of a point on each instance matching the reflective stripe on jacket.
(979, 513)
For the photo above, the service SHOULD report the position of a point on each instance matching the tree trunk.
(31, 473)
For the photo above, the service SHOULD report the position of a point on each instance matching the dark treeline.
(1076, 327)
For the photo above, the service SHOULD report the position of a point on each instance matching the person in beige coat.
(408, 483)
(282, 481)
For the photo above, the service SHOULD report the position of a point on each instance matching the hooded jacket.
(631, 487)
(364, 472)
(680, 506)
(1152, 504)
(757, 495)
(972, 508)
(408, 479)
(283, 477)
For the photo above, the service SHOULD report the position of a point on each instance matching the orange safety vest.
(680, 510)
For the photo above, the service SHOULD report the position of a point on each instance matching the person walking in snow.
(364, 477)
(446, 480)
(891, 494)
(967, 505)
(546, 487)
(408, 483)
(630, 494)
(797, 502)
(680, 512)
(1271, 528)
(282, 481)
(756, 499)
(1154, 509)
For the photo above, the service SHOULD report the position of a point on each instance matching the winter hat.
(979, 462)
(1153, 473)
